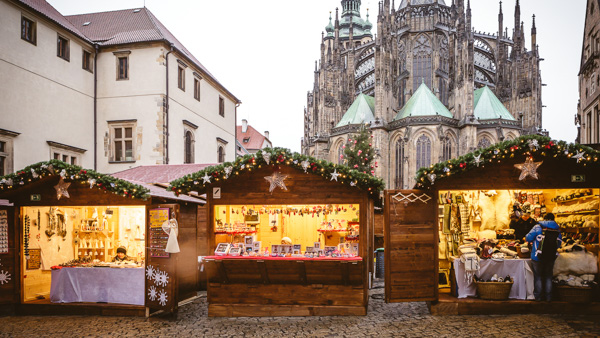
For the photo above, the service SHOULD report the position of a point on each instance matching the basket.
(574, 294)
(494, 290)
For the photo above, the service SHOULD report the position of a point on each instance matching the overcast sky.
(264, 51)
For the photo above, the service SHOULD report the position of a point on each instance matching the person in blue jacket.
(543, 264)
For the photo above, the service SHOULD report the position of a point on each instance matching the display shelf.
(582, 212)
(351, 238)
(588, 229)
(331, 230)
(577, 199)
(234, 232)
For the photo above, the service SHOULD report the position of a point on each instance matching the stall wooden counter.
(263, 285)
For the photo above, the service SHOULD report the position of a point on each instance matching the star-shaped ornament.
(334, 175)
(579, 156)
(205, 179)
(276, 180)
(267, 157)
(61, 189)
(477, 160)
(529, 168)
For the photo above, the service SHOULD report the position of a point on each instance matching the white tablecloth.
(109, 285)
(519, 269)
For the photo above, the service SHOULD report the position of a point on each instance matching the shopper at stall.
(546, 239)
(121, 255)
(522, 225)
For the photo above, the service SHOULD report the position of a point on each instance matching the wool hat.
(122, 249)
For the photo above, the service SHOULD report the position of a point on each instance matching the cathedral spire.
(517, 15)
(533, 35)
(500, 22)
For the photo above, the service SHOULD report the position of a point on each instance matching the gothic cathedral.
(430, 86)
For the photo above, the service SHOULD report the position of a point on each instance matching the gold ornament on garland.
(529, 168)
(61, 189)
(276, 180)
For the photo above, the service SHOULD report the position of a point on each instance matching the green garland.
(522, 146)
(276, 156)
(72, 173)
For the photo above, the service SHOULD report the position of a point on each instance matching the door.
(161, 266)
(411, 246)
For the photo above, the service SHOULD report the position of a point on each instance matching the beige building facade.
(92, 90)
(588, 112)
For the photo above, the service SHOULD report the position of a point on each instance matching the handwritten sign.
(157, 237)
(34, 262)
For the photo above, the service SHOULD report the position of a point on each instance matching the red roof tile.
(45, 9)
(255, 139)
(162, 173)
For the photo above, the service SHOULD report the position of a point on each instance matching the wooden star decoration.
(529, 168)
(276, 180)
(61, 189)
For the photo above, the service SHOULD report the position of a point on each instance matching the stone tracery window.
(340, 153)
(447, 149)
(423, 152)
(484, 142)
(399, 177)
(422, 62)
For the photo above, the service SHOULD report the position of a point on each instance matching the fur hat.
(122, 249)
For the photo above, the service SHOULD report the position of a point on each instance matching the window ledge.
(118, 162)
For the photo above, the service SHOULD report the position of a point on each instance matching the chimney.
(244, 125)
(267, 134)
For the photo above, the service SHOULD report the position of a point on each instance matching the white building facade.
(92, 90)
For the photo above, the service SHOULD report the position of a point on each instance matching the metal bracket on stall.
(411, 198)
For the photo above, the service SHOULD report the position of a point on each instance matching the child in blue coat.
(543, 264)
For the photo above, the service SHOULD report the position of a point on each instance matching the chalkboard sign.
(157, 237)
(34, 262)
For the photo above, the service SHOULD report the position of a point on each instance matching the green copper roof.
(361, 111)
(423, 103)
(488, 107)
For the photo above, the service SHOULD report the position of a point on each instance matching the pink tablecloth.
(287, 258)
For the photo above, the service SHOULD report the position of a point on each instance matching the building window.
(221, 154)
(28, 30)
(422, 62)
(340, 157)
(597, 124)
(3, 158)
(123, 68)
(68, 154)
(484, 142)
(399, 177)
(197, 89)
(122, 142)
(86, 60)
(189, 147)
(446, 149)
(588, 133)
(181, 78)
(62, 48)
(423, 152)
(443, 91)
(221, 106)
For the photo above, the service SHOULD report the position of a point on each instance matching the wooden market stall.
(541, 174)
(293, 235)
(66, 223)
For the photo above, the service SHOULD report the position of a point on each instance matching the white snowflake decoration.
(4, 277)
(432, 177)
(161, 278)
(150, 272)
(152, 293)
(477, 160)
(34, 174)
(533, 144)
(162, 297)
(228, 171)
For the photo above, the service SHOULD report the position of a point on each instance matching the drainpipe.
(96, 108)
(166, 141)
(235, 132)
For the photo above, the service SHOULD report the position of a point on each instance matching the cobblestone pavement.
(383, 320)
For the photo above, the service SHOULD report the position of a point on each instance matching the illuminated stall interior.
(320, 230)
(59, 235)
(466, 214)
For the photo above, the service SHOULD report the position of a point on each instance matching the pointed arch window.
(221, 154)
(399, 177)
(340, 154)
(484, 143)
(423, 152)
(447, 149)
(422, 62)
